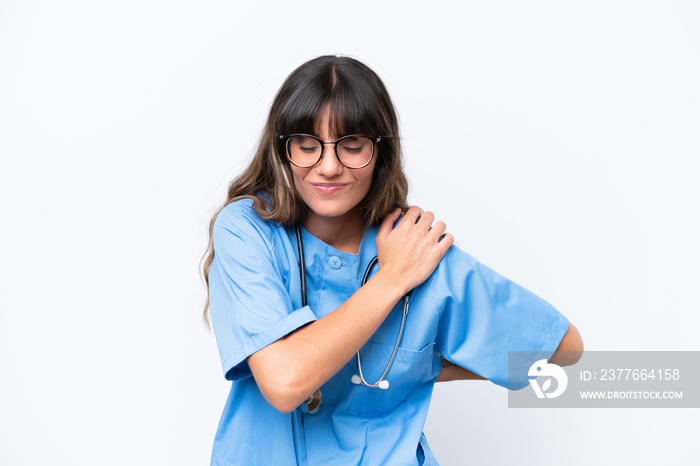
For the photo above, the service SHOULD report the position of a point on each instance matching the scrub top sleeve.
(249, 303)
(483, 315)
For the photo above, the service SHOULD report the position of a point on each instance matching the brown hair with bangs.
(359, 104)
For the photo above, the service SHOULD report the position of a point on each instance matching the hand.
(410, 252)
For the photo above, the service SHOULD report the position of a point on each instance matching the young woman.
(295, 292)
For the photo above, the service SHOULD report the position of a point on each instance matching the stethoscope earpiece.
(357, 380)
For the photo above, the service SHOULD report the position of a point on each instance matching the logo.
(543, 369)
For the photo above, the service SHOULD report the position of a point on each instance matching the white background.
(558, 140)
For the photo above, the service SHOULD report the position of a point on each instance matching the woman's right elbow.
(282, 395)
(279, 382)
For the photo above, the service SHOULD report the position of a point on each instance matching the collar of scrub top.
(313, 403)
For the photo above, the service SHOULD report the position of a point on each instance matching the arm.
(568, 353)
(570, 349)
(451, 371)
(293, 367)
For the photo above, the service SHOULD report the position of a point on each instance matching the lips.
(328, 188)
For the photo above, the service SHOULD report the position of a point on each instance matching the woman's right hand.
(410, 252)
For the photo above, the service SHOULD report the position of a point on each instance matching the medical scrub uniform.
(464, 311)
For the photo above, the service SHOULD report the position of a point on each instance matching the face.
(330, 190)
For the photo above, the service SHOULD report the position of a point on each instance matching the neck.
(343, 233)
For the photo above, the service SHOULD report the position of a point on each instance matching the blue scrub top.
(464, 311)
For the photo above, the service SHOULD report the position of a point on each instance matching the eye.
(355, 145)
(304, 144)
(349, 148)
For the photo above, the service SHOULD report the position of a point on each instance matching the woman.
(322, 197)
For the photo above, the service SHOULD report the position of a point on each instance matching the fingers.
(413, 214)
(416, 234)
(388, 223)
(426, 220)
(420, 218)
(437, 230)
(423, 219)
(446, 241)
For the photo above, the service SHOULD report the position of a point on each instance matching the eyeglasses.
(353, 151)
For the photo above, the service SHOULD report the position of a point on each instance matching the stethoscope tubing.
(302, 265)
(380, 383)
(314, 401)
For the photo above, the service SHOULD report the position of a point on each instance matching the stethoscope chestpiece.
(313, 402)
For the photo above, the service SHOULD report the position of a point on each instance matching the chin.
(330, 211)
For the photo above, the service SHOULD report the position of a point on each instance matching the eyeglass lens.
(353, 151)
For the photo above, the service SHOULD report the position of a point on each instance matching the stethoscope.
(314, 401)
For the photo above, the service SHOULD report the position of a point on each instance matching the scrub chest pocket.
(409, 370)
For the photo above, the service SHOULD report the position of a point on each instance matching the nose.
(329, 165)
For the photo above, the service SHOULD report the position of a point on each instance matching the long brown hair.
(359, 104)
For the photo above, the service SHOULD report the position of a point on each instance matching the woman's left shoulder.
(456, 261)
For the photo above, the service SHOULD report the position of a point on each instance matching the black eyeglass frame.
(286, 140)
